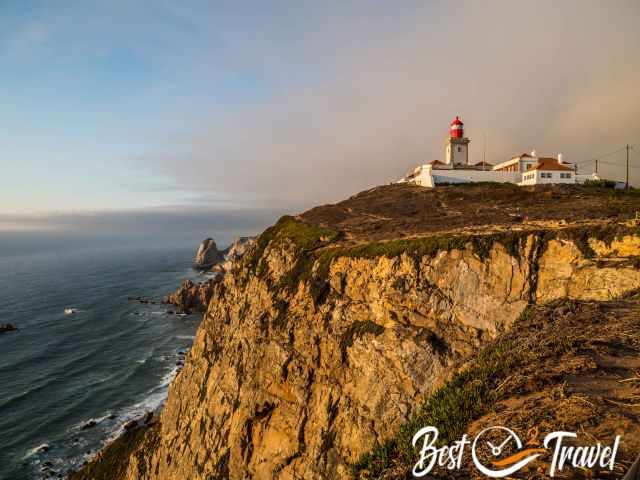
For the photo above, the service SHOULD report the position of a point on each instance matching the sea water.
(110, 360)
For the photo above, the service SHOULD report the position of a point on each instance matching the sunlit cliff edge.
(347, 326)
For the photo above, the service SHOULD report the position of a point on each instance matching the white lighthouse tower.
(457, 154)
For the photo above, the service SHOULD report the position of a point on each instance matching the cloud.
(558, 77)
(237, 106)
(188, 225)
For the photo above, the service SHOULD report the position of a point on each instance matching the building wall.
(455, 157)
(517, 164)
(466, 176)
(424, 177)
(581, 178)
(541, 177)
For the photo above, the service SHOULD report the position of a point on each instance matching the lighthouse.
(457, 153)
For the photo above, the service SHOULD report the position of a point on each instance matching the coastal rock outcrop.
(297, 379)
(192, 297)
(207, 255)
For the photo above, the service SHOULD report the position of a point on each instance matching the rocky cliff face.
(312, 351)
(333, 328)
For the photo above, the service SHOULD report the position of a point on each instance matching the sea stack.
(208, 255)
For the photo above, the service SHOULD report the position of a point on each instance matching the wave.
(35, 450)
(95, 420)
(153, 400)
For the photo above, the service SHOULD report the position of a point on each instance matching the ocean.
(109, 361)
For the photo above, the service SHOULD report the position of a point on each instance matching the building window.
(459, 149)
(565, 175)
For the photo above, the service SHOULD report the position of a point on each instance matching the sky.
(162, 109)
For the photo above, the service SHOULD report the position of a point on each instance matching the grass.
(304, 236)
(602, 183)
(471, 393)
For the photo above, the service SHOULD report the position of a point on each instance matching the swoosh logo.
(514, 458)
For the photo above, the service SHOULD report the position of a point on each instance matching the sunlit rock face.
(298, 379)
(207, 255)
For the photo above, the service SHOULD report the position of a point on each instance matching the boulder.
(208, 255)
(130, 425)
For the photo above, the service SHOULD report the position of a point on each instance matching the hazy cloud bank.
(554, 76)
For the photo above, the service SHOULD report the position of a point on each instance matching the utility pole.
(484, 152)
(596, 165)
(627, 181)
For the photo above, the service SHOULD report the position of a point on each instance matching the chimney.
(560, 159)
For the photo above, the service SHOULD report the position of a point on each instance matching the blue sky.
(86, 91)
(121, 105)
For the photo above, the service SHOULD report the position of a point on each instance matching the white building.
(525, 169)
(548, 170)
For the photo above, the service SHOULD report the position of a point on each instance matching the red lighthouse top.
(457, 129)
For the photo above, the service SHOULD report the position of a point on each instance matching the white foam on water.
(151, 403)
(33, 451)
(185, 337)
(98, 420)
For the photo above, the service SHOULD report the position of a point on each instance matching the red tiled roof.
(550, 164)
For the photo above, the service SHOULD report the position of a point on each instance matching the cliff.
(338, 326)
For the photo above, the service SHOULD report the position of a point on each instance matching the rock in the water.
(192, 296)
(7, 327)
(208, 255)
(89, 424)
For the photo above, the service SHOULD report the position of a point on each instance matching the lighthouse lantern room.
(457, 154)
